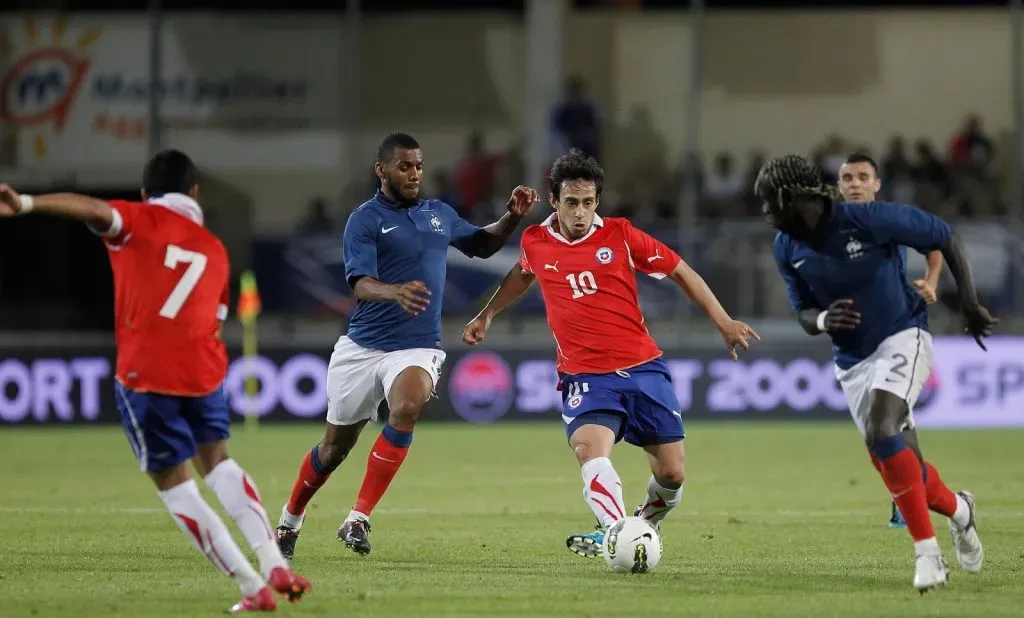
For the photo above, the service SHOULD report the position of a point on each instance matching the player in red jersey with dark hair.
(614, 382)
(170, 297)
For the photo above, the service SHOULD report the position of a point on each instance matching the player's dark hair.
(576, 165)
(784, 178)
(169, 171)
(860, 157)
(786, 182)
(392, 142)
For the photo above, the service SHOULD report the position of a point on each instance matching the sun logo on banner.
(44, 78)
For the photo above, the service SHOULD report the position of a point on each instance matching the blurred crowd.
(957, 180)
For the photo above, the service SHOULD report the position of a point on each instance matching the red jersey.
(590, 291)
(170, 296)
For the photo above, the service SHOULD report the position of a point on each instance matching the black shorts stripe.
(913, 367)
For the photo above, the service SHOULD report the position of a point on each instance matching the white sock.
(660, 501)
(354, 515)
(238, 495)
(209, 535)
(290, 521)
(962, 516)
(927, 547)
(602, 489)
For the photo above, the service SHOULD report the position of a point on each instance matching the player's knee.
(886, 418)
(404, 412)
(671, 477)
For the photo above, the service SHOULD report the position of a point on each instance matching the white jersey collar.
(549, 223)
(181, 204)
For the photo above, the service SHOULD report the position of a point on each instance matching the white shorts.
(359, 378)
(900, 365)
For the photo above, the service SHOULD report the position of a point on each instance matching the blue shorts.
(642, 398)
(165, 429)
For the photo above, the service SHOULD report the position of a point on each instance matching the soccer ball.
(632, 545)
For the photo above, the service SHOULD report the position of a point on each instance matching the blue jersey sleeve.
(465, 235)
(359, 247)
(800, 296)
(902, 225)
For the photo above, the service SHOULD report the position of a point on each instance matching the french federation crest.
(435, 222)
(604, 255)
(854, 249)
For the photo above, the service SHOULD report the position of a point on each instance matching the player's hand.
(476, 330)
(979, 323)
(522, 200)
(841, 316)
(413, 296)
(10, 201)
(926, 290)
(737, 335)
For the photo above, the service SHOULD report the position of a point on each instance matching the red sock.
(308, 482)
(385, 459)
(940, 498)
(902, 474)
(874, 462)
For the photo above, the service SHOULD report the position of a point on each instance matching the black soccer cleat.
(355, 534)
(286, 538)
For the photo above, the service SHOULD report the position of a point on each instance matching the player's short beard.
(396, 192)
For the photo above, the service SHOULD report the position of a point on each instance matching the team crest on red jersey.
(604, 255)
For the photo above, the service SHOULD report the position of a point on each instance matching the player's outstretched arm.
(514, 285)
(493, 237)
(94, 212)
(736, 333)
(979, 321)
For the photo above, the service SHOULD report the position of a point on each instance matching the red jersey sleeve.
(123, 224)
(649, 255)
(524, 242)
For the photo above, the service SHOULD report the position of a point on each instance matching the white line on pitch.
(86, 510)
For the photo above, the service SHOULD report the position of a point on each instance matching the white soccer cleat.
(930, 572)
(966, 544)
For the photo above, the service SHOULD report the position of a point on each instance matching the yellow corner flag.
(248, 311)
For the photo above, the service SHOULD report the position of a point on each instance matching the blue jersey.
(395, 243)
(860, 258)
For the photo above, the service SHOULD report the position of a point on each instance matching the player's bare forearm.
(698, 291)
(493, 237)
(514, 285)
(960, 268)
(934, 270)
(808, 319)
(95, 212)
(374, 291)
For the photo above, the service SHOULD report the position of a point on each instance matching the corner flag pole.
(248, 312)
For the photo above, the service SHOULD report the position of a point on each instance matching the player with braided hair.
(859, 182)
(841, 262)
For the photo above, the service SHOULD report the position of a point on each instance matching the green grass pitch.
(784, 520)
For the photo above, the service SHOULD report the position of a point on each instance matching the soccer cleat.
(930, 572)
(287, 583)
(654, 524)
(587, 545)
(896, 519)
(286, 538)
(262, 601)
(355, 534)
(966, 544)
